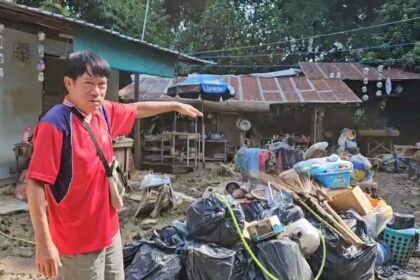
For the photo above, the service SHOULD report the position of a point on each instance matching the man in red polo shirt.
(81, 238)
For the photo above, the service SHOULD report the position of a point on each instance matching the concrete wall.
(20, 90)
(113, 85)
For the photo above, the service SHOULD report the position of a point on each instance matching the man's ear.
(68, 83)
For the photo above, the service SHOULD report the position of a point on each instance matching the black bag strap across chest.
(108, 169)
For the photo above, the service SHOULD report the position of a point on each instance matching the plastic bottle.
(26, 135)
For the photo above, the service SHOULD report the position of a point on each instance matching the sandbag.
(205, 262)
(209, 220)
(153, 262)
(284, 259)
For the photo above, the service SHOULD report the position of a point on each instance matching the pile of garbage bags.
(207, 245)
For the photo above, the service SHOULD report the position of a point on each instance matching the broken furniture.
(407, 151)
(184, 148)
(122, 152)
(379, 141)
(216, 150)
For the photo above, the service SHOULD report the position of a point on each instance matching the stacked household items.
(305, 223)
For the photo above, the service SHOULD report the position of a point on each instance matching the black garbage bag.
(244, 268)
(284, 259)
(209, 220)
(344, 262)
(152, 261)
(291, 214)
(205, 262)
(176, 234)
(255, 211)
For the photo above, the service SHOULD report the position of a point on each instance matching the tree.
(126, 16)
(407, 56)
(265, 22)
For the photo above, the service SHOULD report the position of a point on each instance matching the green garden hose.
(248, 249)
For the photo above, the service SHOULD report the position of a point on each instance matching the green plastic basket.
(402, 245)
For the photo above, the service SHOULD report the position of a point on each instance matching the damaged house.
(33, 44)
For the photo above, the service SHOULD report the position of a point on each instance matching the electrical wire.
(312, 53)
(305, 38)
(297, 65)
(254, 258)
(16, 238)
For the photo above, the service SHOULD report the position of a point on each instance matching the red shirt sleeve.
(46, 155)
(121, 117)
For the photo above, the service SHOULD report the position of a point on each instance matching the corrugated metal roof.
(352, 71)
(37, 11)
(274, 90)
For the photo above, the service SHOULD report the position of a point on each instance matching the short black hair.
(78, 63)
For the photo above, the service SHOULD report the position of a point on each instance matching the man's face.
(86, 92)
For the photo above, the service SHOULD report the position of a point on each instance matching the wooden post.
(137, 144)
(317, 118)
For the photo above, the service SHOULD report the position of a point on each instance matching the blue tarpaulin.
(206, 86)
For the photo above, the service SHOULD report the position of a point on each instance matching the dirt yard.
(397, 189)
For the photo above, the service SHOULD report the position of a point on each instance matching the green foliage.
(203, 25)
(125, 16)
(406, 32)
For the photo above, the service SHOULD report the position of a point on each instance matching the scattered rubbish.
(263, 229)
(152, 262)
(206, 262)
(154, 180)
(317, 150)
(344, 262)
(149, 221)
(176, 234)
(306, 235)
(394, 272)
(384, 253)
(209, 221)
(284, 259)
(402, 242)
(402, 221)
(243, 267)
(155, 198)
(351, 198)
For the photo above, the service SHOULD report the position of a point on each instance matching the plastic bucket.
(335, 179)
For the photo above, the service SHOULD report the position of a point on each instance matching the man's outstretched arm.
(153, 108)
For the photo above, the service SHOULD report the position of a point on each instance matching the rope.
(310, 37)
(16, 238)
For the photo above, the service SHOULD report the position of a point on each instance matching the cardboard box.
(345, 199)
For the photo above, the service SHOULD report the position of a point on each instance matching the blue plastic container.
(334, 179)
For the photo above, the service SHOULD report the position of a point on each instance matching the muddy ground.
(397, 189)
